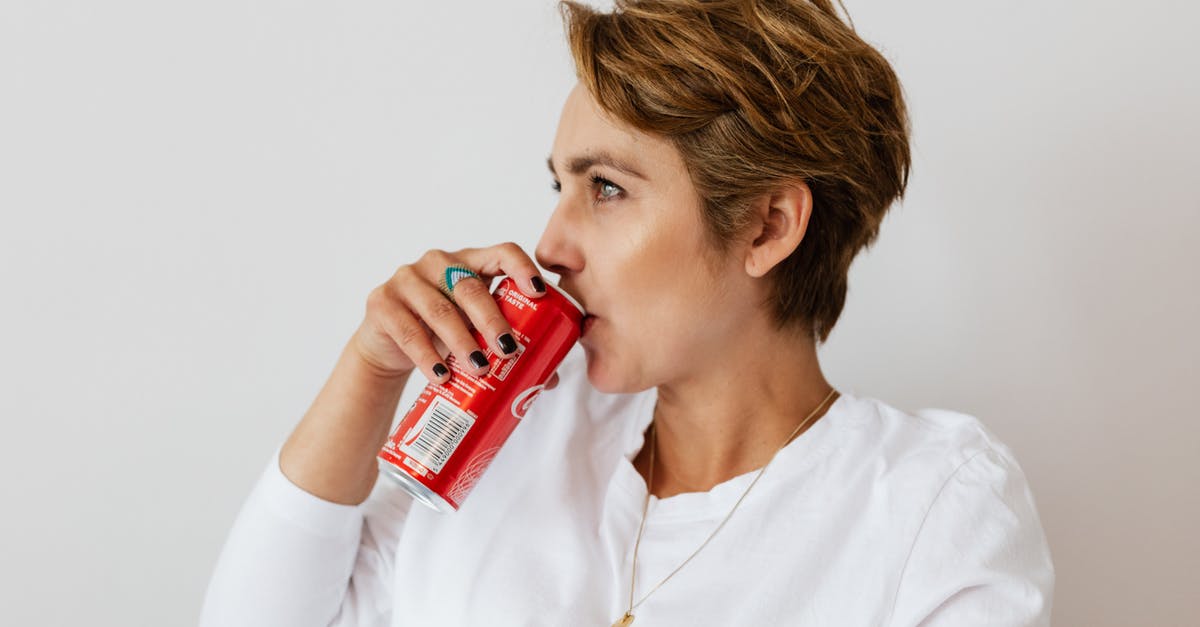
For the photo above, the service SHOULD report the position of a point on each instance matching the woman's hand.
(410, 322)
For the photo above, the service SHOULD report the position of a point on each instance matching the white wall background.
(196, 198)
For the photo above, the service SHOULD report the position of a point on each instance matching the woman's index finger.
(507, 259)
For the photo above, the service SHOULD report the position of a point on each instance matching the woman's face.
(627, 240)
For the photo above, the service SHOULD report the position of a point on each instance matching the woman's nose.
(558, 250)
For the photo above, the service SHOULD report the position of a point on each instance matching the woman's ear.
(781, 219)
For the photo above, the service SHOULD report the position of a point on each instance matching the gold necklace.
(627, 618)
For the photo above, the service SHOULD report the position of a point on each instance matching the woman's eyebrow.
(578, 165)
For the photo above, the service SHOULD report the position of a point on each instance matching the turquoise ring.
(452, 276)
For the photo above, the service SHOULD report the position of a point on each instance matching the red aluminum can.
(451, 433)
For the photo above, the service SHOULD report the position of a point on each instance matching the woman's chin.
(602, 377)
(596, 373)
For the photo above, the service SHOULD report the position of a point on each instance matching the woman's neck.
(733, 415)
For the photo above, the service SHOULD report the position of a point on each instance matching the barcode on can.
(435, 436)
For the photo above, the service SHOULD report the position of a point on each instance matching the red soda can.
(451, 433)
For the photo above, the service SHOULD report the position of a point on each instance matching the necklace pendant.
(624, 621)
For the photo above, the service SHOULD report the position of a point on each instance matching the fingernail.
(439, 370)
(479, 359)
(507, 344)
(538, 284)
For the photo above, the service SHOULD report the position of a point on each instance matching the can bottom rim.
(419, 491)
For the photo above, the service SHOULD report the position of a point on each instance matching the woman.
(719, 166)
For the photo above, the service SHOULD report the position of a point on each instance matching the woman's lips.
(589, 321)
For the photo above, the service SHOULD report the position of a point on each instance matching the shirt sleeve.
(980, 557)
(293, 559)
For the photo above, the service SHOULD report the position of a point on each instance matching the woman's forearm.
(332, 451)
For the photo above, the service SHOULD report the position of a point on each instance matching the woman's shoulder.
(927, 445)
(962, 509)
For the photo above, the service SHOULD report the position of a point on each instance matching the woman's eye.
(608, 190)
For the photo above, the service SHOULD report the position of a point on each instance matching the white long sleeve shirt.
(872, 517)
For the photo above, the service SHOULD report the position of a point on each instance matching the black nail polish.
(479, 359)
(538, 284)
(507, 344)
(439, 370)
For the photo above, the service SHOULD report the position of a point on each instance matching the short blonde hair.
(753, 94)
